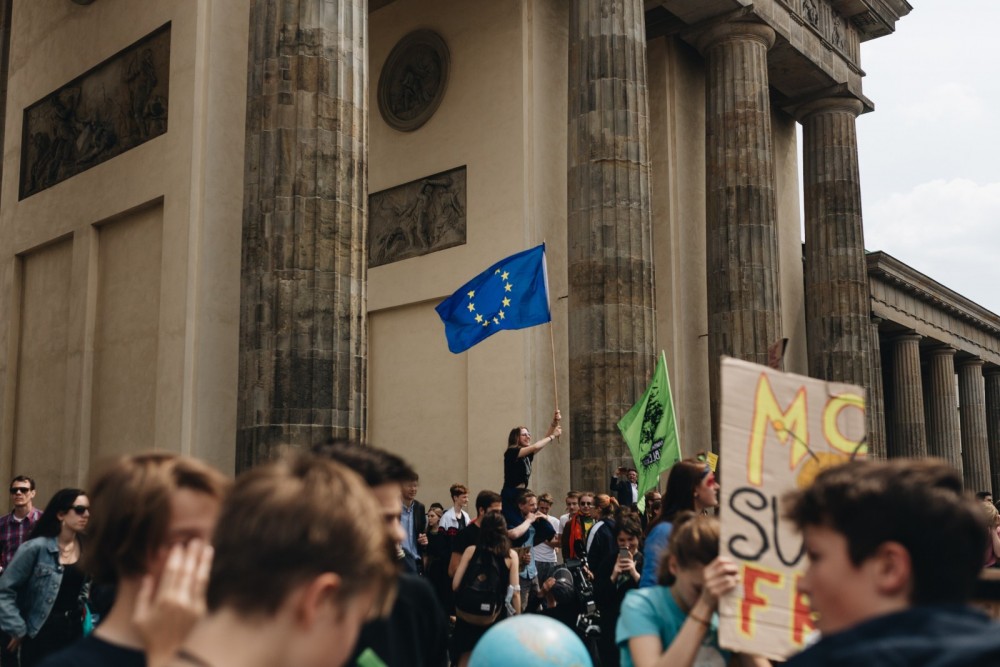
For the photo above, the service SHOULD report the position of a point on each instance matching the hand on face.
(166, 610)
(720, 577)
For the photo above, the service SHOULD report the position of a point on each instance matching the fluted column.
(303, 319)
(972, 409)
(611, 309)
(744, 305)
(944, 433)
(993, 424)
(909, 436)
(836, 275)
(876, 397)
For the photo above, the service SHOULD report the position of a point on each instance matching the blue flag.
(511, 294)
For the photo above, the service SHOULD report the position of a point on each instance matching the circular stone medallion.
(413, 80)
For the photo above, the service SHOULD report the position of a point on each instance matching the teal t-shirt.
(653, 611)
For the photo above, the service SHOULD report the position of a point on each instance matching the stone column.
(303, 320)
(744, 305)
(944, 434)
(876, 397)
(993, 424)
(909, 436)
(972, 410)
(612, 342)
(836, 275)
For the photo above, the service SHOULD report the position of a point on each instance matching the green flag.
(650, 430)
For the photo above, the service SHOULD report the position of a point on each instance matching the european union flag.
(511, 294)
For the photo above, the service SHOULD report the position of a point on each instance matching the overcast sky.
(930, 153)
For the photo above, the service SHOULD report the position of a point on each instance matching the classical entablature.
(906, 299)
(817, 51)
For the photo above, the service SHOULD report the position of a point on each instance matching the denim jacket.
(29, 586)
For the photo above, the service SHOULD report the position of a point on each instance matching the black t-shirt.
(465, 538)
(414, 635)
(516, 471)
(68, 597)
(93, 652)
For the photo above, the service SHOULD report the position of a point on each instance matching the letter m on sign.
(788, 424)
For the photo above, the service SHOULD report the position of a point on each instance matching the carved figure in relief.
(416, 218)
(140, 80)
(811, 11)
(838, 34)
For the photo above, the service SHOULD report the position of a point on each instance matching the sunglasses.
(586, 504)
(14, 490)
(81, 509)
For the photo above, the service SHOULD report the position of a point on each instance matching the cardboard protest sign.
(777, 432)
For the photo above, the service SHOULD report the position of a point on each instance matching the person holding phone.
(613, 580)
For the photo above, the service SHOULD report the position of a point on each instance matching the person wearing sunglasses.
(691, 487)
(43, 590)
(15, 526)
(18, 523)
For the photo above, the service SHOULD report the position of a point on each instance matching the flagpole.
(555, 383)
(552, 336)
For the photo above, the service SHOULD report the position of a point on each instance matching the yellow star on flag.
(496, 321)
(506, 302)
(472, 307)
(479, 318)
(500, 314)
(506, 288)
(503, 276)
(472, 293)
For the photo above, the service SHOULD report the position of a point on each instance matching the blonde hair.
(131, 506)
(294, 519)
(991, 513)
(694, 542)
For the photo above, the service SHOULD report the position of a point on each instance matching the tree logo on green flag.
(650, 431)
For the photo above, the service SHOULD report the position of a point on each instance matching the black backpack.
(480, 595)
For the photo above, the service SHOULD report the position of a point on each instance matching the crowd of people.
(327, 558)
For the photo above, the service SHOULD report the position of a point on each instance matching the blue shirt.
(656, 545)
(410, 543)
(653, 611)
(531, 571)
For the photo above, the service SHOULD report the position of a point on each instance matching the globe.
(530, 640)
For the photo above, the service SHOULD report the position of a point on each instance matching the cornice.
(890, 270)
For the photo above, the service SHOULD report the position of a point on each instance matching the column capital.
(722, 32)
(991, 371)
(907, 337)
(969, 361)
(851, 105)
(941, 350)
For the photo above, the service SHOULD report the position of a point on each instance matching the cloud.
(947, 229)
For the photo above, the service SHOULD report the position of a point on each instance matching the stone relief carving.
(117, 105)
(811, 12)
(417, 218)
(413, 80)
(838, 34)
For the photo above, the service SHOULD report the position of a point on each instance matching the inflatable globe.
(530, 640)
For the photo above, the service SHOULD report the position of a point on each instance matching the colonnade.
(943, 403)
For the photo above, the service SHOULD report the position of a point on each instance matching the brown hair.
(130, 507)
(684, 478)
(515, 433)
(457, 489)
(918, 504)
(290, 521)
(694, 542)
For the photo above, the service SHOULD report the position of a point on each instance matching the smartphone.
(623, 554)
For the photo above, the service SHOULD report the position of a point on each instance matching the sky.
(930, 152)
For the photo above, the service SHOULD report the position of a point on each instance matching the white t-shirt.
(544, 553)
